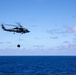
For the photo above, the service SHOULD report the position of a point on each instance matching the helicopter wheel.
(18, 45)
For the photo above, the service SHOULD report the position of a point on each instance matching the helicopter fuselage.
(16, 29)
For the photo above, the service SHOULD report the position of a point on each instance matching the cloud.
(54, 31)
(66, 42)
(5, 42)
(50, 31)
(74, 40)
(66, 47)
(38, 46)
(1, 42)
(75, 35)
(8, 42)
(61, 30)
(71, 30)
(36, 38)
(54, 37)
(66, 29)
(69, 49)
(72, 46)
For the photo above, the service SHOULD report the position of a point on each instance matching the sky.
(52, 26)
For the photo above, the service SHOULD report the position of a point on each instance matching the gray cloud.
(54, 37)
(54, 31)
(39, 46)
(69, 47)
(71, 30)
(66, 29)
(66, 42)
(8, 42)
(75, 35)
(74, 40)
(72, 46)
(5, 42)
(36, 38)
(1, 42)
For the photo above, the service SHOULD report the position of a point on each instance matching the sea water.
(37, 65)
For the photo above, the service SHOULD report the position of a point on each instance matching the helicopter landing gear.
(18, 45)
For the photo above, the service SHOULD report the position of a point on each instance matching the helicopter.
(18, 29)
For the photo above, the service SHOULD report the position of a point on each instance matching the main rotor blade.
(18, 24)
(10, 25)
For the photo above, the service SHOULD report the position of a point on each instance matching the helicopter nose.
(27, 30)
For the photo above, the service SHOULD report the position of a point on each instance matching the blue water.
(37, 65)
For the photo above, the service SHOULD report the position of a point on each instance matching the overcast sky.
(52, 26)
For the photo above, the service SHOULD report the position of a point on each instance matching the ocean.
(37, 65)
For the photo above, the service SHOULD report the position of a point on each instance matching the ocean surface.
(37, 65)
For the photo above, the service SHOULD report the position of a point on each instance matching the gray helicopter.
(17, 29)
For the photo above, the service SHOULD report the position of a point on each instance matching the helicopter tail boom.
(3, 27)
